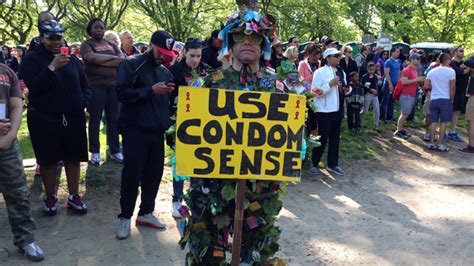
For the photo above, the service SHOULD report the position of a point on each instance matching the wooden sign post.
(238, 221)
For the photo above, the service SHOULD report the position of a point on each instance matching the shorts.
(441, 110)
(426, 104)
(459, 102)
(470, 109)
(406, 104)
(55, 141)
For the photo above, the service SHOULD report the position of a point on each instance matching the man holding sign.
(239, 131)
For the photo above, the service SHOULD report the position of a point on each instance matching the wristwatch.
(51, 67)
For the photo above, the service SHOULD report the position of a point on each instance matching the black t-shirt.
(461, 78)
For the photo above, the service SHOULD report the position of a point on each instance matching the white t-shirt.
(440, 78)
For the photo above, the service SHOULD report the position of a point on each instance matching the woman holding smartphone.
(59, 92)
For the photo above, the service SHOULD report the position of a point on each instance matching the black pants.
(329, 127)
(103, 98)
(353, 116)
(144, 155)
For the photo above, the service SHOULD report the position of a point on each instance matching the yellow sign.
(239, 135)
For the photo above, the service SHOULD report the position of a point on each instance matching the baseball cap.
(50, 28)
(163, 41)
(414, 56)
(330, 51)
(329, 41)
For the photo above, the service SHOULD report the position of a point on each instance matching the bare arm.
(427, 84)
(16, 107)
(406, 81)
(387, 75)
(452, 85)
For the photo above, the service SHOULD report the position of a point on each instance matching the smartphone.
(64, 50)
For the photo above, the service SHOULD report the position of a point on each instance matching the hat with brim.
(329, 41)
(414, 56)
(330, 51)
(52, 34)
(163, 41)
(50, 28)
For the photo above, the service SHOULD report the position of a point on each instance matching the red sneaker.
(75, 202)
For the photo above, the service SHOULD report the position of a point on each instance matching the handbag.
(397, 91)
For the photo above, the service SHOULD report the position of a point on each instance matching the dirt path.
(407, 207)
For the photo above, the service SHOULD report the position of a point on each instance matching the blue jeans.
(386, 105)
(178, 190)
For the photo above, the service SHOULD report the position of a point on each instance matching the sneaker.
(37, 171)
(468, 149)
(400, 134)
(95, 159)
(426, 137)
(442, 147)
(336, 170)
(123, 228)
(150, 220)
(406, 132)
(33, 252)
(75, 202)
(175, 209)
(118, 157)
(446, 138)
(454, 136)
(314, 170)
(359, 130)
(50, 205)
(432, 147)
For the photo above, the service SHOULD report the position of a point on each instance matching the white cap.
(330, 51)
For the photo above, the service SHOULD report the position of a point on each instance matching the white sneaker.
(150, 220)
(117, 157)
(175, 209)
(95, 158)
(426, 137)
(123, 228)
(33, 252)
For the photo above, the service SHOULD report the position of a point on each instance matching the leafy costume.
(212, 203)
(209, 228)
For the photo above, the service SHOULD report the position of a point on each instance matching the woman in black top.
(58, 95)
(347, 63)
(190, 71)
(8, 59)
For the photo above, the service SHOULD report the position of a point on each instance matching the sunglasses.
(461, 51)
(240, 38)
(54, 38)
(335, 55)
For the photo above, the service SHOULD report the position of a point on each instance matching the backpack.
(397, 91)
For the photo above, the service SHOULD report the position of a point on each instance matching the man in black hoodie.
(143, 88)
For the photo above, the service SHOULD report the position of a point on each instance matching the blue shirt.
(395, 68)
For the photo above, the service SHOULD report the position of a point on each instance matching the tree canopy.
(410, 21)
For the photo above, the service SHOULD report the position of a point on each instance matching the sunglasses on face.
(335, 55)
(461, 51)
(54, 38)
(240, 38)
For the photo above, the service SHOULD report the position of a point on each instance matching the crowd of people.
(136, 90)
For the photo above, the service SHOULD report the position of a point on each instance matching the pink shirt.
(410, 73)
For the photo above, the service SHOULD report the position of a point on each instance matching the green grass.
(368, 145)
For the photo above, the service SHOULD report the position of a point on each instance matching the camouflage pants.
(15, 192)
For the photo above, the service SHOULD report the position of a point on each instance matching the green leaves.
(221, 221)
(229, 192)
